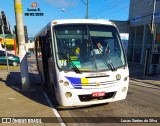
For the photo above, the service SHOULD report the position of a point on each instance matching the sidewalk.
(136, 73)
(15, 102)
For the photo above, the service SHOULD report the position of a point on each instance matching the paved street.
(142, 101)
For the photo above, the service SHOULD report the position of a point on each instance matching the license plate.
(98, 94)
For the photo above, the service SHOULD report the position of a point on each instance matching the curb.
(158, 85)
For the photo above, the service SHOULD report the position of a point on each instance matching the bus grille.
(85, 98)
(79, 83)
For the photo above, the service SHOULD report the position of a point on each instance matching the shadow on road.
(2, 80)
(35, 92)
(81, 107)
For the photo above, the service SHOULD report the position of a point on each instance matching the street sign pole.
(21, 41)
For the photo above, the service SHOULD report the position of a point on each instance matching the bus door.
(44, 49)
(36, 52)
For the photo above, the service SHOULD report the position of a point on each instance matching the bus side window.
(49, 48)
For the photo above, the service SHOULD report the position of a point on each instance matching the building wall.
(122, 26)
(140, 36)
(8, 32)
(141, 12)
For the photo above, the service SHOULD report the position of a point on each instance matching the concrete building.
(121, 25)
(140, 37)
(9, 35)
(124, 32)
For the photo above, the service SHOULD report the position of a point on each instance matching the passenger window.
(48, 48)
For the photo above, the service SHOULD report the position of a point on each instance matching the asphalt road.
(143, 100)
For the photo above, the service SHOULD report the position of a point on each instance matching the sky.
(65, 9)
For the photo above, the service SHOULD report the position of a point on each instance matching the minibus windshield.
(88, 47)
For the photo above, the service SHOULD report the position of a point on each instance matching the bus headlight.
(61, 81)
(124, 89)
(68, 94)
(66, 83)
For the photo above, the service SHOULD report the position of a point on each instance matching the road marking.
(54, 110)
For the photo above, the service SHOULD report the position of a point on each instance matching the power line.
(69, 10)
(71, 3)
(115, 12)
(104, 8)
(84, 2)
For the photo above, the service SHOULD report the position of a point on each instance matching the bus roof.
(89, 21)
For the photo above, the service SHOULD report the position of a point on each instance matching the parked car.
(12, 59)
(32, 50)
(28, 54)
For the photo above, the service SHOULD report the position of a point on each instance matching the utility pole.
(4, 40)
(152, 22)
(153, 36)
(21, 41)
(153, 26)
(87, 10)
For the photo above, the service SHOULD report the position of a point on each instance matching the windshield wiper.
(70, 62)
(106, 57)
(109, 62)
